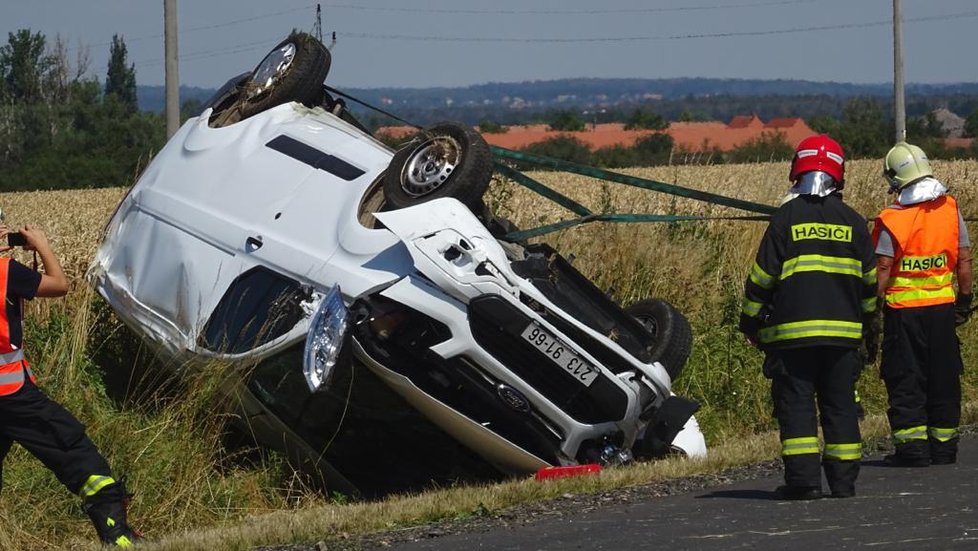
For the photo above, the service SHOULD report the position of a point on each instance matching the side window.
(258, 307)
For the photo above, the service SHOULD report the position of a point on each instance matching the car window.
(259, 306)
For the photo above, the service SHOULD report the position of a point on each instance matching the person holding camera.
(29, 417)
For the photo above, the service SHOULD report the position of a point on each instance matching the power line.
(768, 3)
(205, 54)
(498, 39)
(210, 27)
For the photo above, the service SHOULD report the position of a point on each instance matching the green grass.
(193, 494)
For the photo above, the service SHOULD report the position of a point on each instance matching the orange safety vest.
(13, 365)
(925, 245)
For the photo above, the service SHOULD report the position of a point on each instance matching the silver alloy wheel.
(271, 69)
(430, 165)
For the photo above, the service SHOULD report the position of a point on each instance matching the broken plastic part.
(570, 470)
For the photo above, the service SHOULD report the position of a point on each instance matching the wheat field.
(188, 498)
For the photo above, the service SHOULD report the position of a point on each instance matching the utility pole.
(900, 112)
(317, 28)
(171, 67)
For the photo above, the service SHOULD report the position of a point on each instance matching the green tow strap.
(585, 215)
(632, 181)
(564, 224)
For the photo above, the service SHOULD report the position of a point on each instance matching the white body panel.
(218, 202)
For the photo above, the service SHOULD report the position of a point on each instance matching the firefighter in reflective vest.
(921, 243)
(812, 284)
(42, 426)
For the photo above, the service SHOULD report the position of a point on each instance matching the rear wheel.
(672, 337)
(294, 70)
(446, 160)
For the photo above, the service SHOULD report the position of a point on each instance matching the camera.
(16, 239)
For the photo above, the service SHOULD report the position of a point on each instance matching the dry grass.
(171, 461)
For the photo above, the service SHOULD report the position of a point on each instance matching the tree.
(615, 156)
(191, 108)
(653, 149)
(567, 121)
(566, 148)
(487, 126)
(22, 67)
(864, 132)
(824, 124)
(925, 126)
(971, 125)
(120, 80)
(645, 120)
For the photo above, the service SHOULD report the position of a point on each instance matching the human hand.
(4, 230)
(36, 240)
(872, 329)
(962, 309)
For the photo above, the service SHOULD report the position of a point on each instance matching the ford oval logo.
(513, 398)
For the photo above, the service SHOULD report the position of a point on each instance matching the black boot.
(841, 476)
(108, 514)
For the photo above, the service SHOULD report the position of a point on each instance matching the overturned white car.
(395, 339)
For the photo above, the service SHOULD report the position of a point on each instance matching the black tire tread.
(302, 83)
(674, 338)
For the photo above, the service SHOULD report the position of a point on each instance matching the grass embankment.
(170, 451)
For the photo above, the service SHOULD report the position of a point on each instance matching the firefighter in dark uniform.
(812, 285)
(43, 427)
(922, 246)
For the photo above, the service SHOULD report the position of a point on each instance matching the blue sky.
(421, 43)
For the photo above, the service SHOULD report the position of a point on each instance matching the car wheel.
(446, 160)
(294, 70)
(672, 335)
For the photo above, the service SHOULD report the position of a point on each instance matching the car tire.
(294, 70)
(673, 336)
(446, 160)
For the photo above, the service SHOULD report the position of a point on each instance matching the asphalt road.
(894, 508)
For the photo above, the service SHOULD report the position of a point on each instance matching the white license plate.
(557, 351)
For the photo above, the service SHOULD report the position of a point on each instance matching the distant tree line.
(62, 129)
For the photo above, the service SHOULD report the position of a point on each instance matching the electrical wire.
(207, 27)
(604, 11)
(206, 54)
(792, 30)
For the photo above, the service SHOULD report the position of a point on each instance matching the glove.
(962, 309)
(872, 328)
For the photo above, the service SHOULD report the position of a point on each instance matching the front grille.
(579, 298)
(458, 383)
(497, 325)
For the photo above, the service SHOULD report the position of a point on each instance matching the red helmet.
(819, 153)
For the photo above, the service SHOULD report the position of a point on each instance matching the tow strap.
(585, 215)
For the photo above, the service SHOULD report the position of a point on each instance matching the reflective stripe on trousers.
(844, 452)
(942, 435)
(799, 446)
(95, 483)
(903, 436)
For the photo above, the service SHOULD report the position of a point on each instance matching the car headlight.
(325, 339)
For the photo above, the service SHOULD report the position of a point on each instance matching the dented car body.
(390, 345)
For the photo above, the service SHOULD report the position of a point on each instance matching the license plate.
(563, 356)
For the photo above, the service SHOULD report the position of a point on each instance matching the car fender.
(453, 249)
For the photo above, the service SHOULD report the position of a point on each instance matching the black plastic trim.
(315, 158)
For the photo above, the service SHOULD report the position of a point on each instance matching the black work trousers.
(51, 434)
(921, 366)
(824, 375)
